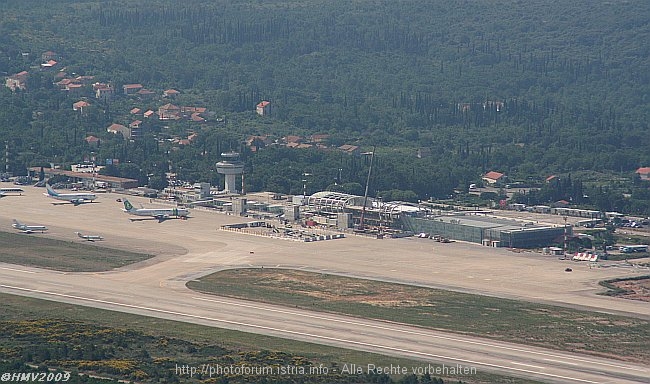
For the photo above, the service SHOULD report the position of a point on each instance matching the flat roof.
(488, 222)
(83, 175)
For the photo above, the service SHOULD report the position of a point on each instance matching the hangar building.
(489, 231)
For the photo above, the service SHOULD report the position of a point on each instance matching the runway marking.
(60, 285)
(304, 334)
(450, 338)
(17, 270)
(563, 362)
(528, 365)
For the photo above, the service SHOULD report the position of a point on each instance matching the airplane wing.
(161, 218)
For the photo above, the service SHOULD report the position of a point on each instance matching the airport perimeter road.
(353, 333)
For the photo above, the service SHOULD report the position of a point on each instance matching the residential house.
(257, 142)
(80, 105)
(49, 64)
(85, 80)
(135, 111)
(63, 84)
(148, 114)
(644, 173)
(350, 149)
(131, 89)
(17, 81)
(494, 178)
(561, 204)
(319, 138)
(171, 93)
(92, 141)
(188, 111)
(169, 112)
(196, 117)
(74, 88)
(263, 108)
(292, 139)
(119, 128)
(145, 93)
(135, 129)
(103, 91)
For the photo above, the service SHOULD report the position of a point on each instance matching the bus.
(633, 248)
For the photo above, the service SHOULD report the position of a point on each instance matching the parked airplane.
(6, 191)
(28, 228)
(159, 213)
(89, 237)
(74, 198)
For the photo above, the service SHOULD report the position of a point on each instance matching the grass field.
(508, 320)
(66, 256)
(35, 316)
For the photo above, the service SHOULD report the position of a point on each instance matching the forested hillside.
(526, 88)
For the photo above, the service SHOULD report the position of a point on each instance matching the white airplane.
(89, 237)
(6, 191)
(74, 198)
(159, 213)
(28, 228)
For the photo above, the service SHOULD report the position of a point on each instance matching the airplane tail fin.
(128, 206)
(50, 191)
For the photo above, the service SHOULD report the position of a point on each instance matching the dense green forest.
(529, 89)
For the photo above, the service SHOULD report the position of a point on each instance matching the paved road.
(193, 248)
(175, 303)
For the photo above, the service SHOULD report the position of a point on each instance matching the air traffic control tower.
(230, 167)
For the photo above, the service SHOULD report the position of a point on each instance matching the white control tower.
(230, 167)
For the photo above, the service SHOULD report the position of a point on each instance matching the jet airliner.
(28, 228)
(6, 191)
(89, 237)
(74, 198)
(158, 213)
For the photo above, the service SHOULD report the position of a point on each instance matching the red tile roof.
(80, 104)
(643, 171)
(493, 175)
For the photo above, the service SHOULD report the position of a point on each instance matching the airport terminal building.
(488, 231)
(475, 227)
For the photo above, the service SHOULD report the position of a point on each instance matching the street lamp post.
(365, 195)
(380, 207)
(304, 183)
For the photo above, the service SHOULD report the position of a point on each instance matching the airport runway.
(368, 335)
(193, 248)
